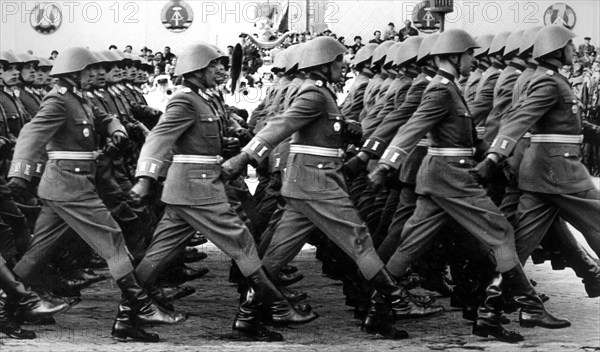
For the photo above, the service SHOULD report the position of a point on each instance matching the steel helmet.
(426, 45)
(410, 50)
(453, 41)
(364, 54)
(551, 38)
(528, 38)
(280, 60)
(10, 57)
(73, 59)
(392, 54)
(484, 44)
(293, 57)
(27, 58)
(110, 56)
(196, 57)
(513, 43)
(381, 51)
(320, 51)
(44, 62)
(499, 43)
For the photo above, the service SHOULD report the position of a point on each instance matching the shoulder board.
(445, 81)
(428, 78)
(319, 83)
(62, 90)
(550, 73)
(89, 94)
(186, 90)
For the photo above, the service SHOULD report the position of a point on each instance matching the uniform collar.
(429, 71)
(411, 73)
(367, 74)
(548, 66)
(446, 74)
(532, 65)
(517, 66)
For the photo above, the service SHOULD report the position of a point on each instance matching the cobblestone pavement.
(211, 309)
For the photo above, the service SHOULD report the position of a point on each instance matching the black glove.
(235, 166)
(231, 147)
(379, 176)
(485, 171)
(5, 147)
(119, 139)
(356, 165)
(352, 132)
(20, 189)
(244, 135)
(142, 190)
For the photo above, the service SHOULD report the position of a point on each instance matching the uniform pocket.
(565, 163)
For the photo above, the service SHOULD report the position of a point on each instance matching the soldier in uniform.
(190, 135)
(354, 102)
(552, 178)
(24, 89)
(16, 115)
(483, 63)
(447, 190)
(66, 128)
(313, 185)
(43, 80)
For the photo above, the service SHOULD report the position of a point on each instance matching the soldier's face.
(28, 73)
(42, 76)
(336, 69)
(114, 75)
(131, 73)
(221, 73)
(466, 60)
(11, 75)
(210, 75)
(85, 78)
(100, 77)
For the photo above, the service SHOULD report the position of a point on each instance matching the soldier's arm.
(107, 123)
(385, 132)
(542, 95)
(157, 152)
(433, 108)
(35, 135)
(481, 106)
(306, 108)
(355, 106)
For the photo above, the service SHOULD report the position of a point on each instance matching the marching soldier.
(374, 86)
(190, 136)
(447, 190)
(43, 80)
(24, 89)
(483, 63)
(16, 114)
(313, 185)
(354, 102)
(66, 127)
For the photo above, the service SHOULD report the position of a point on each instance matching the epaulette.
(16, 92)
(89, 94)
(445, 81)
(550, 73)
(186, 90)
(62, 90)
(319, 83)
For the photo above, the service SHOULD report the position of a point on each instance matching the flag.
(284, 22)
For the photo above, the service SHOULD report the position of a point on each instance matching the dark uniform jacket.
(28, 98)
(482, 105)
(444, 116)
(313, 119)
(470, 88)
(16, 115)
(189, 126)
(371, 94)
(549, 108)
(66, 122)
(369, 121)
(354, 102)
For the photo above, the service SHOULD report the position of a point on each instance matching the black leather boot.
(288, 279)
(9, 326)
(275, 304)
(533, 313)
(380, 321)
(126, 326)
(144, 309)
(582, 263)
(399, 299)
(248, 323)
(489, 314)
(28, 305)
(293, 296)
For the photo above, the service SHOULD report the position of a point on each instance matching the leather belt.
(318, 151)
(450, 151)
(65, 155)
(198, 159)
(423, 143)
(557, 138)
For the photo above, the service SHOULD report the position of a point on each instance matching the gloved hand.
(20, 189)
(378, 177)
(5, 147)
(235, 166)
(352, 132)
(119, 139)
(356, 165)
(231, 147)
(485, 170)
(142, 190)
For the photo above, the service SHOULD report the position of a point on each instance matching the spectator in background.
(407, 31)
(397, 38)
(586, 47)
(342, 40)
(376, 38)
(327, 32)
(53, 55)
(357, 43)
(159, 62)
(128, 49)
(112, 47)
(168, 55)
(390, 32)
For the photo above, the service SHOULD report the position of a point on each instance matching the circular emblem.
(45, 18)
(560, 13)
(337, 126)
(425, 21)
(574, 109)
(86, 132)
(177, 16)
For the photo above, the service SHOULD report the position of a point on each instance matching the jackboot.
(489, 314)
(582, 263)
(126, 325)
(248, 322)
(274, 303)
(398, 297)
(144, 309)
(9, 326)
(533, 313)
(379, 320)
(28, 305)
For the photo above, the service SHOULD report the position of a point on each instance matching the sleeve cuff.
(394, 157)
(374, 147)
(24, 169)
(149, 167)
(502, 145)
(258, 149)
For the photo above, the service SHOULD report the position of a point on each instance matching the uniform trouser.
(337, 219)
(406, 208)
(537, 211)
(91, 221)
(218, 222)
(477, 214)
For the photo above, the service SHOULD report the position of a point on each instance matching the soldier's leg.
(338, 219)
(420, 229)
(267, 236)
(510, 201)
(8, 248)
(406, 207)
(386, 217)
(534, 217)
(480, 217)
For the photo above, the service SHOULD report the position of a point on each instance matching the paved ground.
(87, 326)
